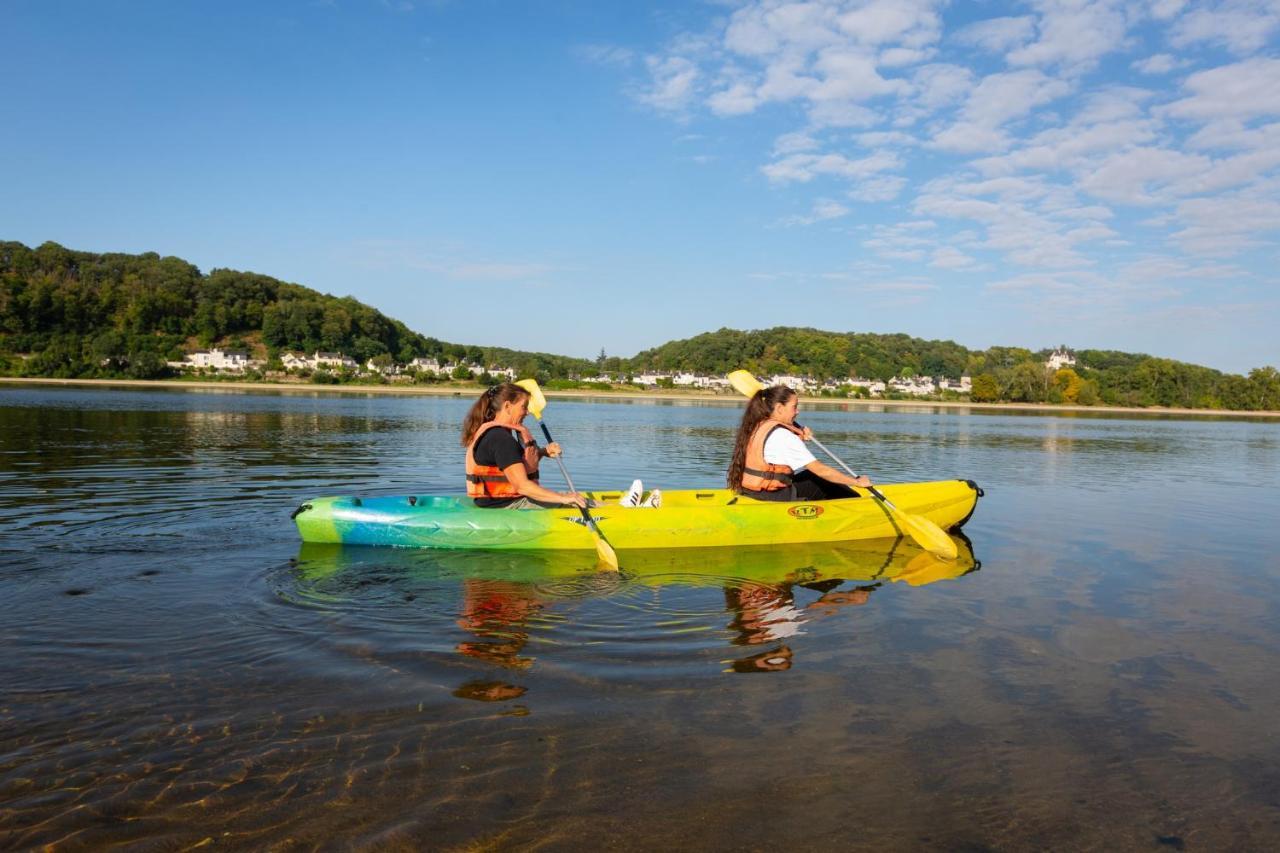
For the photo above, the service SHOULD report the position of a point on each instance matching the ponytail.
(759, 408)
(487, 407)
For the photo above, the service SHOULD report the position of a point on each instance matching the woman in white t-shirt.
(770, 461)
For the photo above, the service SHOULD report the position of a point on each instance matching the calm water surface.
(176, 669)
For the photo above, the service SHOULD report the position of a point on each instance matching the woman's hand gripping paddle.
(927, 535)
(537, 402)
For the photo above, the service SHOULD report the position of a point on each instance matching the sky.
(569, 176)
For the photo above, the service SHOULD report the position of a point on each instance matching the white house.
(333, 359)
(917, 386)
(1059, 359)
(391, 369)
(796, 383)
(234, 360)
(425, 364)
(648, 378)
(295, 361)
(964, 384)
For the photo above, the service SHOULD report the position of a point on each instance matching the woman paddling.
(770, 461)
(502, 457)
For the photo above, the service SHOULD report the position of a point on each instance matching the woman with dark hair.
(502, 457)
(770, 461)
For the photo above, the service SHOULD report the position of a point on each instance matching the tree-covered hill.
(82, 314)
(999, 373)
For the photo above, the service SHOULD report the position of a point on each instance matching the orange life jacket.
(761, 476)
(488, 481)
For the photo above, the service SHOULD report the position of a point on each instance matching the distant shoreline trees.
(69, 314)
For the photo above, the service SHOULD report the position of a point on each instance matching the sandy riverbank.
(691, 396)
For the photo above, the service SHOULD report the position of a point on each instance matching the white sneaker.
(654, 500)
(632, 497)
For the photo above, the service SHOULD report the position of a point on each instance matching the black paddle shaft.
(586, 514)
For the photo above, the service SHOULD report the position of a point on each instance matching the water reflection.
(516, 611)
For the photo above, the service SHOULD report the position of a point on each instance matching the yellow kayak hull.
(694, 518)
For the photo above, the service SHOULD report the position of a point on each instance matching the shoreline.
(693, 396)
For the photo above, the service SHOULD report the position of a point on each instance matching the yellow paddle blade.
(926, 534)
(605, 553)
(744, 383)
(537, 402)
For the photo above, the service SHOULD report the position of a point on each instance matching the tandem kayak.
(691, 518)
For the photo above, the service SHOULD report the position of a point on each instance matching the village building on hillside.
(1059, 359)
(424, 364)
(220, 360)
(333, 359)
(915, 386)
(874, 387)
(963, 385)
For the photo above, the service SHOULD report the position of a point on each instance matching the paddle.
(537, 402)
(926, 534)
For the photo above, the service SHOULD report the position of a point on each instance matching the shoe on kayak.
(632, 497)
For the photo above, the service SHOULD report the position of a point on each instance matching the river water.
(1098, 671)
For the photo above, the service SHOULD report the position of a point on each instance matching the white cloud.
(1242, 26)
(951, 258)
(1073, 33)
(880, 139)
(998, 99)
(841, 114)
(673, 83)
(824, 209)
(607, 54)
(850, 76)
(738, 99)
(997, 35)
(791, 143)
(1232, 134)
(1109, 121)
(1163, 267)
(1226, 225)
(879, 188)
(1020, 222)
(913, 23)
(1160, 63)
(1142, 176)
(1163, 10)
(803, 168)
(1244, 90)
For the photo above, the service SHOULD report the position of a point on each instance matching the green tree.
(1068, 383)
(985, 389)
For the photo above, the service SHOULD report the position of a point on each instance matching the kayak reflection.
(502, 598)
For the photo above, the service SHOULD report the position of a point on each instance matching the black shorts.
(806, 487)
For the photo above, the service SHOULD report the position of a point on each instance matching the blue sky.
(571, 176)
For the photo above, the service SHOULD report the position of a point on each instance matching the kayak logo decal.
(805, 511)
(577, 519)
